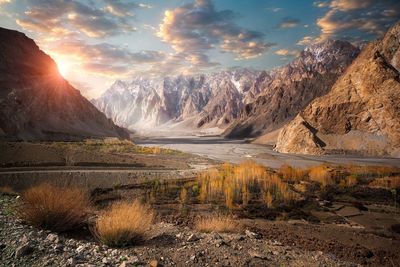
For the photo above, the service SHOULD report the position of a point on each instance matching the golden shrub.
(56, 208)
(124, 223)
(217, 223)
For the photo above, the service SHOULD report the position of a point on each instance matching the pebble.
(251, 234)
(23, 250)
(80, 249)
(52, 238)
(255, 254)
(192, 238)
(153, 263)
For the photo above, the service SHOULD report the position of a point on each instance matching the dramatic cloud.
(105, 59)
(288, 23)
(287, 53)
(196, 28)
(358, 17)
(65, 17)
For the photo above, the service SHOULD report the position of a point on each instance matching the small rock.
(133, 259)
(52, 238)
(192, 238)
(193, 257)
(237, 238)
(80, 249)
(219, 243)
(180, 235)
(255, 254)
(153, 263)
(276, 243)
(24, 240)
(71, 262)
(251, 234)
(23, 250)
(215, 235)
(123, 264)
(104, 260)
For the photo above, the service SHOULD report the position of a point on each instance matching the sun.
(63, 67)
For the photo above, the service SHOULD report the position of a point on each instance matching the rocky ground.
(168, 245)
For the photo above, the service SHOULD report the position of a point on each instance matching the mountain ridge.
(37, 103)
(222, 99)
(361, 113)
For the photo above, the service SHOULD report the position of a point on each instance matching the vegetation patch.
(217, 223)
(55, 208)
(124, 223)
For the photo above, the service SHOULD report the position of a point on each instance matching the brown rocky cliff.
(36, 102)
(362, 111)
(284, 92)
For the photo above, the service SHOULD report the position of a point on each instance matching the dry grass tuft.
(289, 173)
(55, 208)
(321, 174)
(387, 182)
(217, 223)
(243, 183)
(7, 190)
(124, 223)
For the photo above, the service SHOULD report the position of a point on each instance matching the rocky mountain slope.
(284, 92)
(36, 102)
(201, 100)
(362, 111)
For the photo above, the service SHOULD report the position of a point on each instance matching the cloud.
(274, 9)
(288, 23)
(119, 8)
(321, 4)
(288, 53)
(194, 29)
(66, 17)
(105, 59)
(307, 40)
(358, 17)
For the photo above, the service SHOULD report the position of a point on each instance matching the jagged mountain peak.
(220, 98)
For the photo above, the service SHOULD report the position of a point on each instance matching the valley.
(236, 151)
(212, 139)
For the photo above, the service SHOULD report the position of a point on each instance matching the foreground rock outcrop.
(361, 114)
(36, 102)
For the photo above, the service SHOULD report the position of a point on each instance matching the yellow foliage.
(269, 199)
(289, 173)
(124, 223)
(351, 180)
(321, 174)
(56, 208)
(183, 195)
(217, 223)
(387, 182)
(238, 185)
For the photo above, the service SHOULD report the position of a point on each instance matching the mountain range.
(232, 100)
(332, 98)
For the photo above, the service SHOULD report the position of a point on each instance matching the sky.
(96, 42)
